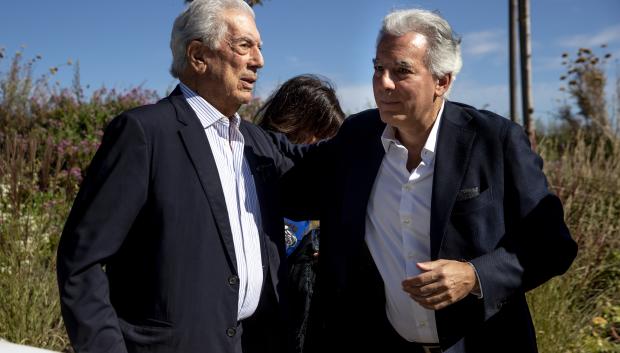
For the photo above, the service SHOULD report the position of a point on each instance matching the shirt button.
(232, 280)
(410, 256)
(231, 331)
(407, 187)
(422, 323)
(406, 221)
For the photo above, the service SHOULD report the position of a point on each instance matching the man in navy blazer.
(436, 217)
(174, 241)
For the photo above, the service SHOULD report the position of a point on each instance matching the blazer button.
(233, 280)
(231, 332)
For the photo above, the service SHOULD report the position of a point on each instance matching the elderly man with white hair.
(435, 216)
(174, 241)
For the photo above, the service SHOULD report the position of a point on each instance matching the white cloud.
(484, 43)
(548, 63)
(491, 97)
(355, 98)
(293, 60)
(547, 98)
(496, 97)
(606, 36)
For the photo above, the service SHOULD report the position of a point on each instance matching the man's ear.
(443, 84)
(196, 54)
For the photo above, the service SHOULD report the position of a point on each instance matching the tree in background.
(586, 79)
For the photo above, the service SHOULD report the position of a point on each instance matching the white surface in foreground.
(7, 347)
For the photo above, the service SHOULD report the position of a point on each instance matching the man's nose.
(257, 61)
(386, 81)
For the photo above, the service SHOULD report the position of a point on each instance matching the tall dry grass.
(580, 311)
(30, 224)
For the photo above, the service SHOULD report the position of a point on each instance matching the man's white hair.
(444, 47)
(203, 20)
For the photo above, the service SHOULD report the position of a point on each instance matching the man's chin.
(388, 117)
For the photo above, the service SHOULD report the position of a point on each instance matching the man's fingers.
(447, 283)
(421, 279)
(434, 272)
(429, 265)
(443, 283)
(435, 302)
(426, 290)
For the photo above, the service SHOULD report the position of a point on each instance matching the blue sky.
(122, 44)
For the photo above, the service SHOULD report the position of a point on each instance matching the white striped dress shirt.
(398, 231)
(227, 146)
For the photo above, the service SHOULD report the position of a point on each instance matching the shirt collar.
(207, 113)
(428, 151)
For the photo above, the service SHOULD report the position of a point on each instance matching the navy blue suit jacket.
(146, 260)
(513, 231)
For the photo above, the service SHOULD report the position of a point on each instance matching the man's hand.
(443, 282)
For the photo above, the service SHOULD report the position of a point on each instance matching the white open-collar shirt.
(398, 231)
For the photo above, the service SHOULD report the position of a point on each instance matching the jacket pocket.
(152, 333)
(470, 205)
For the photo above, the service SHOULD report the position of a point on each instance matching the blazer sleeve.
(308, 180)
(537, 244)
(109, 200)
(288, 153)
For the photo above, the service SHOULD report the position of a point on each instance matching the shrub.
(47, 138)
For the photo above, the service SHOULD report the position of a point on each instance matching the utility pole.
(513, 10)
(526, 70)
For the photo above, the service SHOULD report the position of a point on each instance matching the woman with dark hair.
(305, 109)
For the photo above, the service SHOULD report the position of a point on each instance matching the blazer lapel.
(361, 174)
(199, 151)
(454, 144)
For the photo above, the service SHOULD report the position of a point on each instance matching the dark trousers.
(396, 344)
